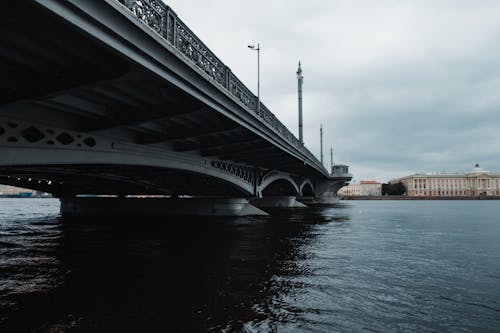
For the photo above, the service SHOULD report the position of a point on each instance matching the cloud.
(401, 86)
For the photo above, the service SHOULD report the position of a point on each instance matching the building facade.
(11, 190)
(475, 183)
(363, 189)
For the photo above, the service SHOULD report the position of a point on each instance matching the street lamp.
(257, 48)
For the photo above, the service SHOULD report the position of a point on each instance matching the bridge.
(120, 98)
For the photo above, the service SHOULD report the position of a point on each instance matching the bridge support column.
(277, 202)
(323, 200)
(75, 206)
(326, 193)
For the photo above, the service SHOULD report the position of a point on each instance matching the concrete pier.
(277, 202)
(312, 201)
(114, 206)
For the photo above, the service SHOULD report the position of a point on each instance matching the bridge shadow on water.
(164, 274)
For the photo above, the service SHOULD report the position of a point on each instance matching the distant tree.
(393, 189)
(385, 189)
(399, 189)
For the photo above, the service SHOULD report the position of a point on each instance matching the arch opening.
(280, 187)
(307, 190)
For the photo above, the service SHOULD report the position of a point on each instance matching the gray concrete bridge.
(120, 97)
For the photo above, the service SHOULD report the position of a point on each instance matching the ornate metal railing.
(163, 20)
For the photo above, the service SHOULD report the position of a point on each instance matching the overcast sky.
(401, 86)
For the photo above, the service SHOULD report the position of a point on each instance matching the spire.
(299, 72)
(300, 81)
(321, 142)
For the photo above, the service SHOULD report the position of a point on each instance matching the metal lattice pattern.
(165, 22)
(13, 132)
(150, 12)
(243, 172)
(199, 54)
(239, 90)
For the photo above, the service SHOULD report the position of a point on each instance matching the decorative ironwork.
(242, 93)
(170, 33)
(151, 12)
(164, 21)
(198, 53)
(241, 171)
(27, 134)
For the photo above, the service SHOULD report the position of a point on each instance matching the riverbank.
(404, 197)
(23, 196)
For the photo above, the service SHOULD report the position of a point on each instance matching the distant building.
(7, 191)
(364, 188)
(475, 183)
(11, 190)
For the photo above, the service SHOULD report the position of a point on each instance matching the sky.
(400, 86)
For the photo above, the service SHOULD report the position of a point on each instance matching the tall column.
(300, 81)
(321, 142)
(258, 79)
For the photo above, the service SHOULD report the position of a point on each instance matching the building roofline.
(446, 175)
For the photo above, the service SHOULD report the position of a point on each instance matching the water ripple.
(357, 267)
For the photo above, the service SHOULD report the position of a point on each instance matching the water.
(364, 266)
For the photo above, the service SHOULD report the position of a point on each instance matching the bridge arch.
(279, 185)
(307, 188)
(110, 168)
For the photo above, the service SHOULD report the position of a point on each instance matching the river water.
(362, 266)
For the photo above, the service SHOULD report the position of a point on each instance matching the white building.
(475, 183)
(364, 188)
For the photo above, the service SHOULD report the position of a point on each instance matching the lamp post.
(257, 48)
(331, 158)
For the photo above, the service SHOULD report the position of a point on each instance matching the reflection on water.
(195, 274)
(373, 267)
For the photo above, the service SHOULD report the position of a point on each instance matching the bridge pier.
(120, 206)
(323, 200)
(277, 202)
(326, 191)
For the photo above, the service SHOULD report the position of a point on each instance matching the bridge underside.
(70, 180)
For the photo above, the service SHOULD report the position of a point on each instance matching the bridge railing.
(163, 20)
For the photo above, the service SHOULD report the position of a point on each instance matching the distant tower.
(300, 81)
(321, 142)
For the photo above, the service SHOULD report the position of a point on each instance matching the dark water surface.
(363, 266)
